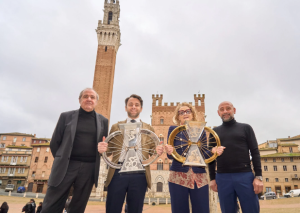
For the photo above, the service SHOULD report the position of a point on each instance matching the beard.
(227, 119)
(135, 115)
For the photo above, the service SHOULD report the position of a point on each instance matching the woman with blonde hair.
(185, 181)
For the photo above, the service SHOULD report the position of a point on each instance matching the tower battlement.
(108, 31)
(157, 100)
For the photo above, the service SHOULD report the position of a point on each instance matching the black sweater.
(85, 141)
(238, 138)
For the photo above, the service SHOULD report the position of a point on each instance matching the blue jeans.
(237, 185)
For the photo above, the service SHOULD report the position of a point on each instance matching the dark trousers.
(180, 199)
(237, 185)
(81, 176)
(134, 185)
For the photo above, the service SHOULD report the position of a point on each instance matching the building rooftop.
(297, 136)
(282, 155)
(40, 144)
(288, 144)
(266, 149)
(36, 138)
(17, 134)
(19, 147)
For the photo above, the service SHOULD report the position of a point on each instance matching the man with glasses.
(134, 184)
(76, 159)
(234, 178)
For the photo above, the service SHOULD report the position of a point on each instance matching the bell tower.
(109, 37)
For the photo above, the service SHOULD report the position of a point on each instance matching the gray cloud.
(243, 51)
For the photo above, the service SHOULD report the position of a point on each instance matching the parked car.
(21, 189)
(296, 192)
(9, 187)
(268, 195)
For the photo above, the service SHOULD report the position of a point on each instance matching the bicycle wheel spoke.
(181, 139)
(181, 146)
(185, 134)
(185, 151)
(142, 155)
(205, 152)
(149, 142)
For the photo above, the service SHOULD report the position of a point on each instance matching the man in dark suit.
(76, 159)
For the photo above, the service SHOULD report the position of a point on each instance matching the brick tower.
(109, 37)
(108, 34)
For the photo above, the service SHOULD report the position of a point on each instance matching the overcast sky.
(246, 52)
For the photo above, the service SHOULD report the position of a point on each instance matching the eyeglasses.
(182, 112)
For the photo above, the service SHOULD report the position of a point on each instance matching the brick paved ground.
(286, 205)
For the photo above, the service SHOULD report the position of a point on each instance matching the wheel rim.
(179, 133)
(145, 149)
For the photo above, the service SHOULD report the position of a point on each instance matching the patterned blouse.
(188, 179)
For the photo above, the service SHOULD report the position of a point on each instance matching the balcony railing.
(295, 177)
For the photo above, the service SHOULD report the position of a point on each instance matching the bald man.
(234, 178)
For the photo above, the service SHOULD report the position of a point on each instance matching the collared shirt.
(137, 120)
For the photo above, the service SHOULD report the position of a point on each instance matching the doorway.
(278, 190)
(40, 188)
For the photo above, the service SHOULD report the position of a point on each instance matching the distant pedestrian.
(32, 202)
(4, 208)
(39, 208)
(68, 204)
(27, 208)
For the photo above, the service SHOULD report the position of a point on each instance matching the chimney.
(289, 137)
(34, 135)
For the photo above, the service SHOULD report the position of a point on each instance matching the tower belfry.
(108, 34)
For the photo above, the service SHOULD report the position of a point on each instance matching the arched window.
(110, 16)
(161, 138)
(161, 120)
(105, 48)
(159, 187)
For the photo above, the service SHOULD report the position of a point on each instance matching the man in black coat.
(76, 159)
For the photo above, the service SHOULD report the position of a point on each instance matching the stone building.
(280, 160)
(40, 167)
(14, 165)
(108, 34)
(15, 156)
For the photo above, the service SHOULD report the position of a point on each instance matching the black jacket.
(39, 209)
(62, 142)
